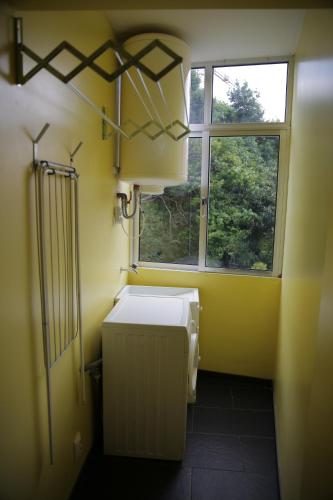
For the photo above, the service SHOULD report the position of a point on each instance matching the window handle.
(204, 205)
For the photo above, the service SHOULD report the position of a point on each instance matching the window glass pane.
(242, 202)
(171, 221)
(197, 95)
(252, 93)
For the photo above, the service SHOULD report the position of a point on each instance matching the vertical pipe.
(44, 304)
(78, 286)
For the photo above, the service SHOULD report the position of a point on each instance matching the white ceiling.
(214, 35)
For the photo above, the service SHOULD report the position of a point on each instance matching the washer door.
(193, 363)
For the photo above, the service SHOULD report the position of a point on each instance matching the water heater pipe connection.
(126, 201)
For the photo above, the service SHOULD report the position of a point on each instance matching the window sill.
(211, 270)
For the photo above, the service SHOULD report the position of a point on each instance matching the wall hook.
(36, 141)
(73, 153)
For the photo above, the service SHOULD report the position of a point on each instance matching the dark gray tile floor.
(230, 452)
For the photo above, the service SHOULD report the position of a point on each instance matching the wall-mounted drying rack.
(59, 264)
(126, 61)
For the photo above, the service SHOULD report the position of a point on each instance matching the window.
(229, 216)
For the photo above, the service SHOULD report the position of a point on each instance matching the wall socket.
(77, 446)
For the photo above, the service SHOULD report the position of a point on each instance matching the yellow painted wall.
(238, 324)
(25, 473)
(303, 390)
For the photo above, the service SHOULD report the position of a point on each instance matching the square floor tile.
(225, 485)
(253, 398)
(212, 391)
(234, 422)
(259, 455)
(213, 451)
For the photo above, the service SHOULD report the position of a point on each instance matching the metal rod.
(150, 97)
(98, 111)
(71, 257)
(45, 310)
(64, 257)
(78, 280)
(52, 267)
(118, 118)
(44, 164)
(58, 266)
(159, 86)
(181, 69)
(135, 88)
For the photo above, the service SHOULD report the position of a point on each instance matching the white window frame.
(208, 130)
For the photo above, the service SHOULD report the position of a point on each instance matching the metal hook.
(36, 141)
(41, 133)
(71, 155)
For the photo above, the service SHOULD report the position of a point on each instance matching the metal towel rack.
(59, 264)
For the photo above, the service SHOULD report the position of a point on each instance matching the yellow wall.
(25, 473)
(238, 324)
(303, 390)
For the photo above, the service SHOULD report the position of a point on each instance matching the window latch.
(204, 204)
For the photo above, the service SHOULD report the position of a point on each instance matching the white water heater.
(152, 157)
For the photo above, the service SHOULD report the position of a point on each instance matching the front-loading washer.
(145, 343)
(190, 294)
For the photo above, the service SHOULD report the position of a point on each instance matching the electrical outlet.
(77, 446)
(117, 215)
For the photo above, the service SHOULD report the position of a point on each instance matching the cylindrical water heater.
(158, 160)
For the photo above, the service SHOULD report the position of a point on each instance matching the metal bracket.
(105, 133)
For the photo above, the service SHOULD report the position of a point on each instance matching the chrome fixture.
(133, 268)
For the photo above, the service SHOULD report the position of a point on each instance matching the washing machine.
(190, 294)
(146, 345)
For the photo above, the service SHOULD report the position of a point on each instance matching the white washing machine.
(145, 342)
(190, 294)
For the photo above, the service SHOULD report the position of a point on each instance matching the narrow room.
(167, 250)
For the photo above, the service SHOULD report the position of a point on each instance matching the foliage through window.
(224, 217)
